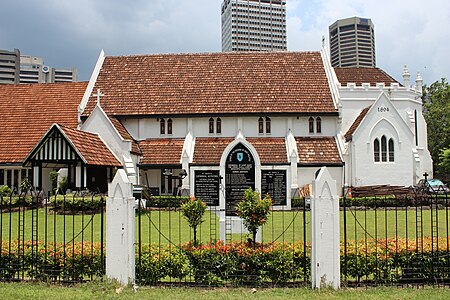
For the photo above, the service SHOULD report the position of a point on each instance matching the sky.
(71, 33)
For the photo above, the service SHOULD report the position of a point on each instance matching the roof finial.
(98, 95)
(419, 82)
(406, 76)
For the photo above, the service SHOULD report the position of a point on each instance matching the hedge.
(384, 261)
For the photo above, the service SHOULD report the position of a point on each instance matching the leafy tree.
(445, 160)
(437, 115)
(193, 210)
(254, 210)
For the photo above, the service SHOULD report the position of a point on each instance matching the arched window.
(260, 125)
(376, 150)
(268, 129)
(219, 125)
(162, 126)
(211, 125)
(311, 125)
(319, 125)
(383, 149)
(391, 150)
(169, 126)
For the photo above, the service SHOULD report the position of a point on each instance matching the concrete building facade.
(352, 43)
(9, 66)
(254, 25)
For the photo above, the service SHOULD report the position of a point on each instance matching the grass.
(101, 290)
(170, 227)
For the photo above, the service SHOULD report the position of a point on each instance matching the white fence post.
(325, 237)
(120, 230)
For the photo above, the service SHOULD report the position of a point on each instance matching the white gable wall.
(98, 123)
(382, 119)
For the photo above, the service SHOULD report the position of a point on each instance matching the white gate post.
(120, 230)
(325, 237)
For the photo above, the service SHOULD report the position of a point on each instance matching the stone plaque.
(273, 182)
(239, 176)
(206, 186)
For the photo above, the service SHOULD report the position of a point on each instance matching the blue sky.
(70, 33)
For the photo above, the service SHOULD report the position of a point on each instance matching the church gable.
(381, 117)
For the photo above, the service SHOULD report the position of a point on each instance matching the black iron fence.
(396, 239)
(385, 240)
(52, 238)
(223, 253)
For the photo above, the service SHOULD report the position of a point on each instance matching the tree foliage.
(254, 210)
(193, 210)
(437, 115)
(445, 160)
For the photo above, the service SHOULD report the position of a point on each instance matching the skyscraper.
(254, 25)
(352, 43)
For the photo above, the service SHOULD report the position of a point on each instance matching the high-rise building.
(352, 43)
(9, 66)
(16, 68)
(254, 25)
(33, 70)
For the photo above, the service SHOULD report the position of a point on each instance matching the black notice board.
(206, 186)
(273, 182)
(239, 176)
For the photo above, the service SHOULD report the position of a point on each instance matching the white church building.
(213, 124)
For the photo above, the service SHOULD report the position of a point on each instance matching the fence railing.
(396, 240)
(168, 255)
(52, 238)
(384, 240)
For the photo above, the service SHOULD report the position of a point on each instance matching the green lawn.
(110, 291)
(170, 227)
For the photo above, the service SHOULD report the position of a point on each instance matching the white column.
(325, 238)
(120, 230)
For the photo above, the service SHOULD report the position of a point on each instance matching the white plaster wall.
(301, 127)
(99, 124)
(306, 175)
(368, 172)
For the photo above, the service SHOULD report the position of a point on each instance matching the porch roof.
(63, 144)
(208, 151)
(318, 151)
(162, 152)
(28, 110)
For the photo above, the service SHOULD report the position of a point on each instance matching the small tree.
(193, 210)
(254, 210)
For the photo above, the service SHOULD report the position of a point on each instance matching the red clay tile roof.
(91, 147)
(363, 75)
(318, 150)
(161, 151)
(126, 135)
(209, 150)
(28, 111)
(270, 150)
(186, 84)
(349, 134)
